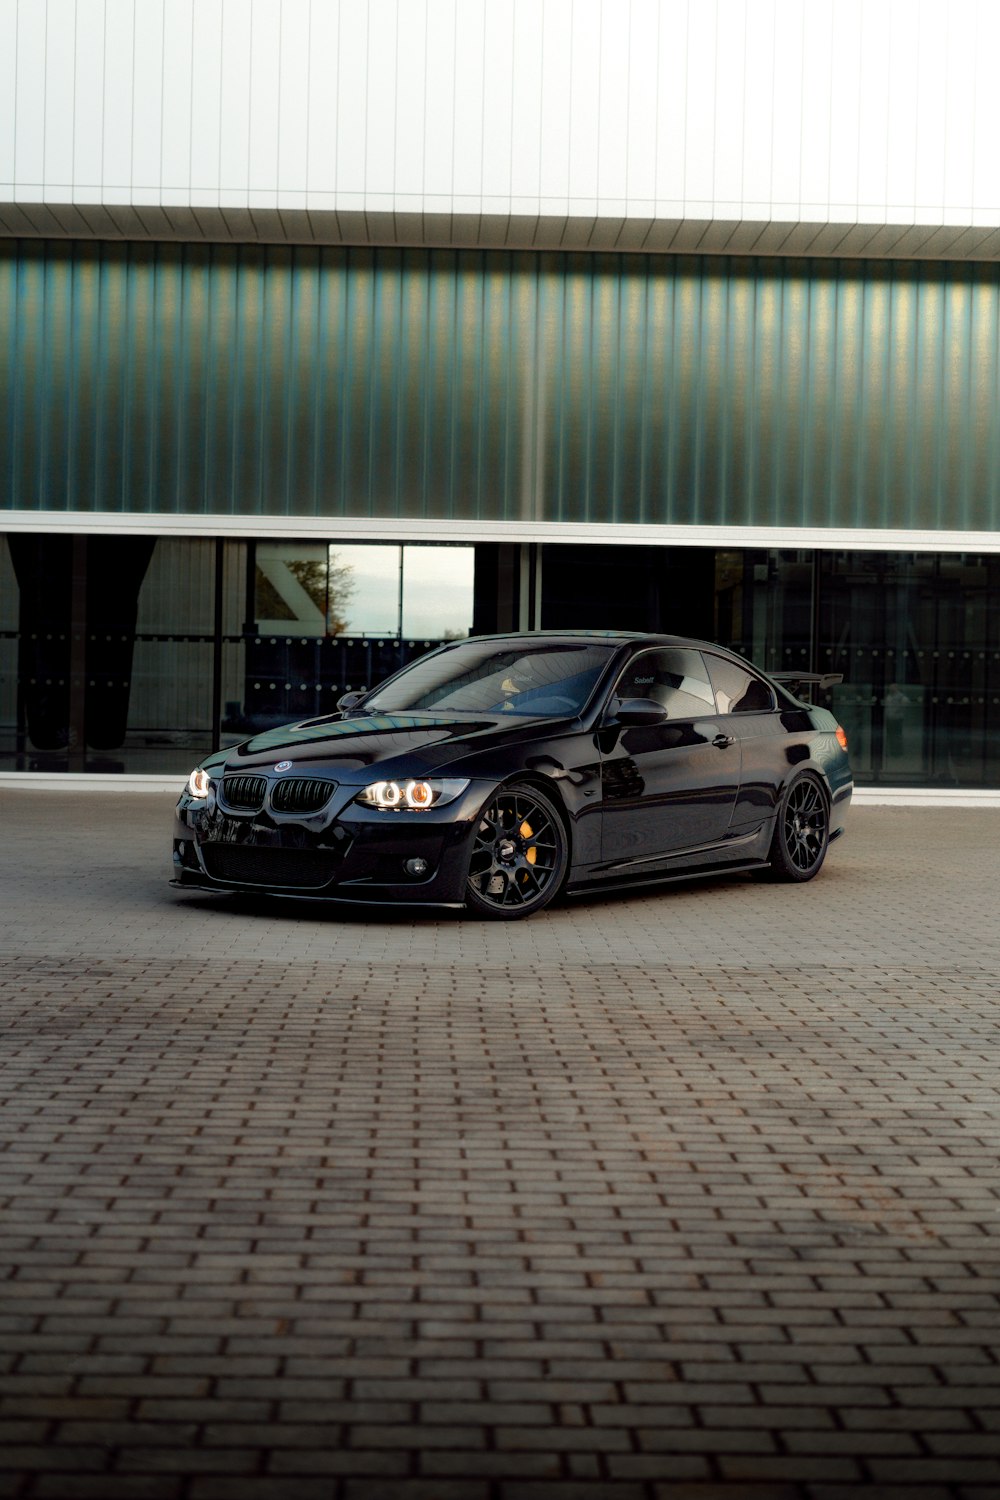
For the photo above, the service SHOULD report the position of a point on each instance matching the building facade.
(330, 331)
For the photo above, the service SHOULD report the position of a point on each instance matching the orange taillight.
(841, 737)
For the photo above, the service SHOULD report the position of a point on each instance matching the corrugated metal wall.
(600, 118)
(249, 381)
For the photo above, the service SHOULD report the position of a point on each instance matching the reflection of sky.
(437, 589)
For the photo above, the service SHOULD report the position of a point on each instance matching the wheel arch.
(814, 771)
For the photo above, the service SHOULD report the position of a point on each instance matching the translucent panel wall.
(423, 385)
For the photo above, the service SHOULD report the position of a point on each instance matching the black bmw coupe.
(495, 772)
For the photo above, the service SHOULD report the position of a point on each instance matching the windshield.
(482, 678)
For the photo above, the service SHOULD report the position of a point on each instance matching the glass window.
(366, 589)
(438, 592)
(764, 607)
(115, 652)
(917, 638)
(737, 690)
(675, 678)
(9, 622)
(369, 587)
(169, 707)
(295, 588)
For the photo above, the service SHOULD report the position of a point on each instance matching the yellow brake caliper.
(526, 832)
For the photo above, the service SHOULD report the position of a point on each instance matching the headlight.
(411, 796)
(198, 783)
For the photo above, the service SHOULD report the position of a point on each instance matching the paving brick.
(261, 1487)
(646, 1198)
(108, 1487)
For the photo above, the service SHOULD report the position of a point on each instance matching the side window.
(738, 691)
(674, 678)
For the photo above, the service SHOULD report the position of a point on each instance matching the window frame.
(751, 672)
(711, 709)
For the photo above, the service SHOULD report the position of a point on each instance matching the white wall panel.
(116, 164)
(613, 108)
(932, 113)
(352, 104)
(730, 88)
(986, 209)
(526, 107)
(697, 186)
(643, 97)
(265, 63)
(758, 116)
(584, 105)
(206, 101)
(827, 112)
(147, 100)
(960, 111)
(902, 113)
(845, 111)
(873, 110)
(410, 102)
(234, 112)
(60, 65)
(324, 50)
(293, 99)
(671, 125)
(498, 84)
(8, 93)
(29, 128)
(88, 105)
(380, 104)
(786, 148)
(469, 71)
(818, 22)
(175, 144)
(554, 146)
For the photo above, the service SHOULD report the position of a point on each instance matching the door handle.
(722, 741)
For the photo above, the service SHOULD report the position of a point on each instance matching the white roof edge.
(423, 528)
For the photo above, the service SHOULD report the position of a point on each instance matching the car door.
(671, 785)
(749, 713)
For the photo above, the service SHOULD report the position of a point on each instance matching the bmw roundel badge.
(283, 765)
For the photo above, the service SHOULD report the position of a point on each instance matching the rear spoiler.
(822, 680)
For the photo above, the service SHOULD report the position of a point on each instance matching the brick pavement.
(692, 1193)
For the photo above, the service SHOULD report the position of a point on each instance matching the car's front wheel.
(519, 854)
(801, 831)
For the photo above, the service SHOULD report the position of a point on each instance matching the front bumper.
(345, 852)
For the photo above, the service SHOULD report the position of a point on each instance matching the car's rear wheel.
(801, 831)
(519, 854)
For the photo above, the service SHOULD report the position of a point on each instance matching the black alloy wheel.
(519, 854)
(801, 832)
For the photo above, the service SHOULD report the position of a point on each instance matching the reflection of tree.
(330, 585)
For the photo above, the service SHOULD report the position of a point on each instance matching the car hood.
(401, 744)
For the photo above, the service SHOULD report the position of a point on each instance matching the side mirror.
(349, 701)
(637, 711)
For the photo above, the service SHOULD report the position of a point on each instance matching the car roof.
(612, 637)
(555, 637)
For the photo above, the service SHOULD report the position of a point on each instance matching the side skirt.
(718, 853)
(672, 877)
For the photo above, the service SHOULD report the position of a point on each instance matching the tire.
(512, 872)
(801, 831)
